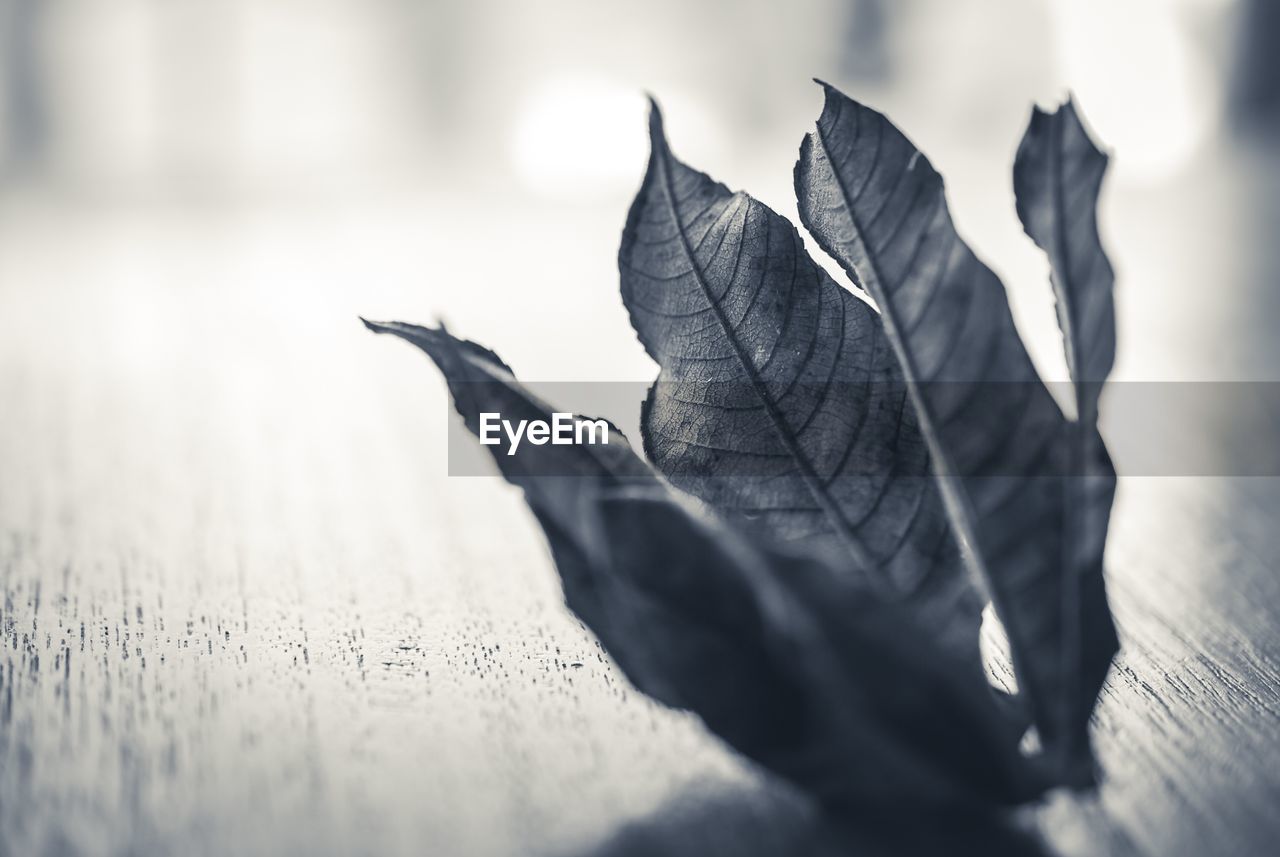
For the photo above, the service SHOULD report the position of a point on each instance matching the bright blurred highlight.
(1143, 82)
(579, 137)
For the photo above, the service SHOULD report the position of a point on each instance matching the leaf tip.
(657, 136)
(832, 101)
(402, 329)
(828, 90)
(1077, 117)
(417, 334)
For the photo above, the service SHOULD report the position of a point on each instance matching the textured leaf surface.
(774, 649)
(877, 205)
(779, 398)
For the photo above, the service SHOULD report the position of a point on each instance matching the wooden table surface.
(246, 612)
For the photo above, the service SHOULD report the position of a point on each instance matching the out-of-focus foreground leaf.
(776, 650)
(779, 398)
(995, 435)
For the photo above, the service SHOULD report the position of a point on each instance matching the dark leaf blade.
(874, 709)
(1057, 175)
(778, 397)
(775, 650)
(996, 436)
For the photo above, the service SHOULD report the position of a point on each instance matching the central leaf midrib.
(789, 441)
(1072, 650)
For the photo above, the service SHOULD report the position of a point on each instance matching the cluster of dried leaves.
(844, 486)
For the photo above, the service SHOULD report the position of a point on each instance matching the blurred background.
(243, 606)
(416, 157)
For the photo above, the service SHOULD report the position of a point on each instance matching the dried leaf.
(773, 648)
(995, 435)
(779, 399)
(1057, 175)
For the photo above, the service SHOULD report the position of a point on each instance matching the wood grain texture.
(245, 612)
